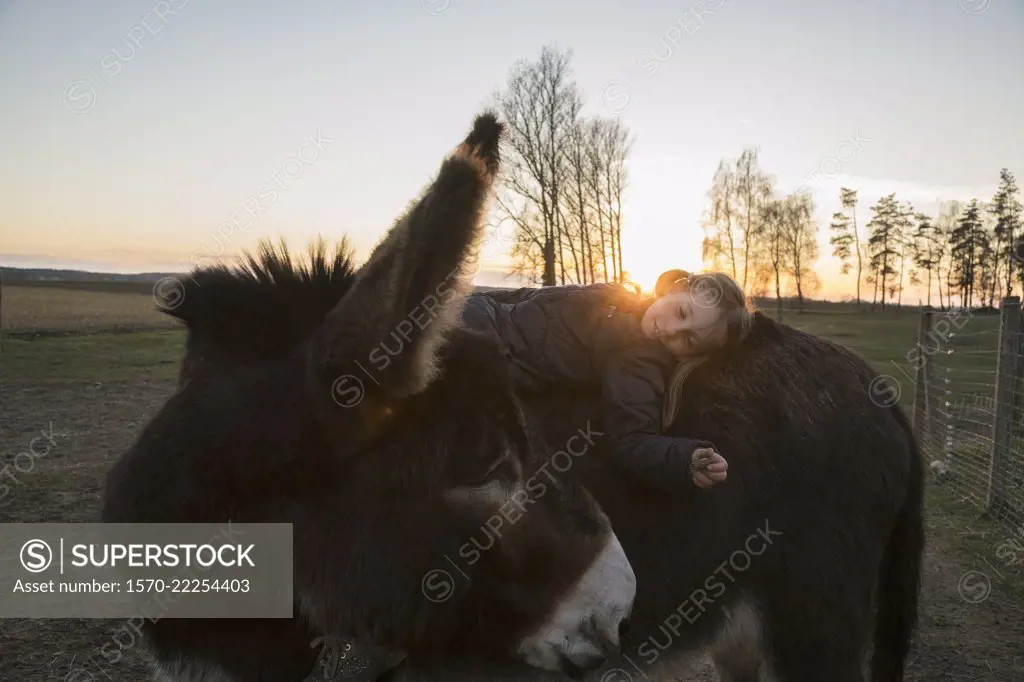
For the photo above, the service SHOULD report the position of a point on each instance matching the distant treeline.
(140, 283)
(20, 275)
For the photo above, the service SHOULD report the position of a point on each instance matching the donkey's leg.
(794, 667)
(811, 649)
(738, 648)
(731, 670)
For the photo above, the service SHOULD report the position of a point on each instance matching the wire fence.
(969, 407)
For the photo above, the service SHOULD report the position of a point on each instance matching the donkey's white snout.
(585, 627)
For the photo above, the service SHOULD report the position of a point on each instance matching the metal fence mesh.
(974, 440)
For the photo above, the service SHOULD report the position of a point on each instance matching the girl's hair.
(666, 281)
(712, 289)
(715, 289)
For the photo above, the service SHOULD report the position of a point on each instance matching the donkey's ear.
(383, 338)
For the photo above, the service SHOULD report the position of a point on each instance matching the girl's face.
(684, 324)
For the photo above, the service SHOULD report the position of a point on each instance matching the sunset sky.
(132, 129)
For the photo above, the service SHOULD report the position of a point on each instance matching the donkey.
(349, 404)
(809, 554)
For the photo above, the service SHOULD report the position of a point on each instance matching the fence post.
(922, 417)
(1005, 397)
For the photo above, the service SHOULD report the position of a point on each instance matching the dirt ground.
(966, 632)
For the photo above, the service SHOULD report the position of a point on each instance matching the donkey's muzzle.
(583, 630)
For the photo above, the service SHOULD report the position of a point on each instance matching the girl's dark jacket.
(590, 336)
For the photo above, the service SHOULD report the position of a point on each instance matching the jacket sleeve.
(633, 389)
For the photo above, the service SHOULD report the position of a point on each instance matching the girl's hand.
(708, 467)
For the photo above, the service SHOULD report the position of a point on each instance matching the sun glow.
(646, 259)
(663, 230)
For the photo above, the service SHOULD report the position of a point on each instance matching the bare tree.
(608, 145)
(800, 237)
(719, 246)
(564, 179)
(617, 142)
(775, 216)
(750, 185)
(537, 106)
(734, 223)
(595, 190)
(577, 159)
(572, 211)
(527, 256)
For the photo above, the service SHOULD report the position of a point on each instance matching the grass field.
(97, 363)
(100, 316)
(57, 309)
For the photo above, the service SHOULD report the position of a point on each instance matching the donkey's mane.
(268, 301)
